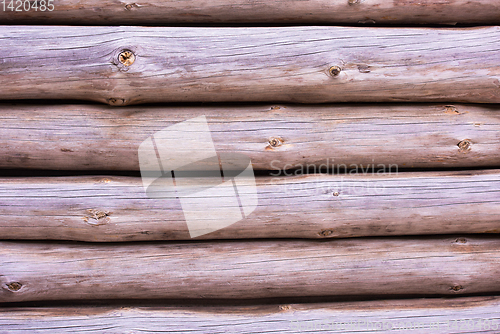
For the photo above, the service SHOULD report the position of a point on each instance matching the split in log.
(274, 137)
(160, 12)
(439, 316)
(314, 206)
(250, 269)
(131, 65)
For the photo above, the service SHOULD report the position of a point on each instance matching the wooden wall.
(373, 128)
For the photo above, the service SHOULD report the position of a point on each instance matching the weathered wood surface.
(456, 315)
(107, 12)
(315, 206)
(250, 269)
(291, 64)
(89, 137)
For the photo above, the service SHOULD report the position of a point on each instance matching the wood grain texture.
(456, 315)
(250, 269)
(290, 64)
(122, 12)
(89, 137)
(117, 208)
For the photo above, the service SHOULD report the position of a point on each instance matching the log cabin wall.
(373, 131)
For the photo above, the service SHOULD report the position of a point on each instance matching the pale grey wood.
(291, 64)
(108, 12)
(457, 315)
(315, 206)
(250, 269)
(90, 137)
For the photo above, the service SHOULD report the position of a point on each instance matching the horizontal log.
(107, 12)
(457, 315)
(314, 206)
(250, 269)
(131, 65)
(90, 137)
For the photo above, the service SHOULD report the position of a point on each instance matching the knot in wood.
(126, 57)
(14, 286)
(116, 102)
(275, 142)
(452, 110)
(464, 145)
(334, 71)
(326, 233)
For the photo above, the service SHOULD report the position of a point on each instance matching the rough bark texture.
(457, 315)
(251, 269)
(108, 12)
(86, 137)
(130, 65)
(315, 206)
